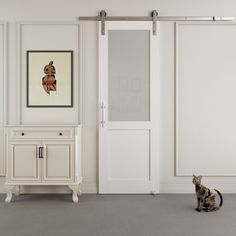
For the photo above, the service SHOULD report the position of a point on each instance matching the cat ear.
(194, 175)
(200, 177)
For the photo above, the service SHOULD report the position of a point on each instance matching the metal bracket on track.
(103, 15)
(154, 15)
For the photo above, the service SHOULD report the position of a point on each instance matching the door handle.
(102, 114)
(40, 152)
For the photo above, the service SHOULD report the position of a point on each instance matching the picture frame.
(49, 78)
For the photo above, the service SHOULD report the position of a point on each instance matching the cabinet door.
(24, 162)
(58, 162)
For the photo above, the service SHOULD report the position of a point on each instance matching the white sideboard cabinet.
(43, 155)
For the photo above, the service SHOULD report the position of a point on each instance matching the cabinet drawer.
(40, 133)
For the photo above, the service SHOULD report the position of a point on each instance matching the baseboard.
(91, 187)
(224, 187)
(176, 188)
(2, 181)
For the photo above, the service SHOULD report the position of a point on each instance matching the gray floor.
(114, 215)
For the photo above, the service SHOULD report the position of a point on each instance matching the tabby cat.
(206, 200)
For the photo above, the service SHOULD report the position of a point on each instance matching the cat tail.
(221, 198)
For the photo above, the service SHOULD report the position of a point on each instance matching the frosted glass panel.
(129, 75)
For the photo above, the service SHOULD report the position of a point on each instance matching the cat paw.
(199, 210)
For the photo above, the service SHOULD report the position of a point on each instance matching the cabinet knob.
(22, 134)
(60, 134)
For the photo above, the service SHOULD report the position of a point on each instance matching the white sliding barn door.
(129, 107)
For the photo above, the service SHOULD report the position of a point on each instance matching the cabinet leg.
(9, 193)
(75, 197)
(75, 190)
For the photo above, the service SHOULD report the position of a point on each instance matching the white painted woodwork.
(59, 162)
(205, 99)
(128, 158)
(48, 132)
(61, 154)
(3, 92)
(128, 143)
(24, 161)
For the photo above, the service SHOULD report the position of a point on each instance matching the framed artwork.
(49, 78)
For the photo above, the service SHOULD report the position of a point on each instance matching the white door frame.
(143, 186)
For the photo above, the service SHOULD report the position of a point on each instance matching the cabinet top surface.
(43, 125)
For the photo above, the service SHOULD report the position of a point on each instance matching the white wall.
(32, 10)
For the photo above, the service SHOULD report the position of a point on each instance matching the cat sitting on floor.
(206, 200)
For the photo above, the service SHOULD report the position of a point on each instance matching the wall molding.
(178, 173)
(5, 110)
(19, 39)
(91, 188)
(4, 25)
(182, 188)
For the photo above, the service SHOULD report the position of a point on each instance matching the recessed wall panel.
(206, 99)
(48, 37)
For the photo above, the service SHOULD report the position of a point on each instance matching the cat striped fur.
(206, 200)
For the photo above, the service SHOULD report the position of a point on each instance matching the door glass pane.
(129, 75)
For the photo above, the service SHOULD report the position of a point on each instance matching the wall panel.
(3, 91)
(206, 99)
(47, 36)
